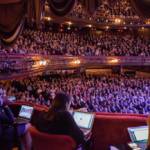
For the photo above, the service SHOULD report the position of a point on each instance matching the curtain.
(13, 37)
(61, 7)
(142, 7)
(34, 11)
(11, 19)
(8, 1)
(90, 5)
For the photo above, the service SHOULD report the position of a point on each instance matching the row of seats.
(108, 129)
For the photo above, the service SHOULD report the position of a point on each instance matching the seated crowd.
(64, 92)
(79, 44)
(106, 9)
(95, 93)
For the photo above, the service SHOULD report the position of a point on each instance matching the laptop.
(84, 120)
(139, 136)
(25, 115)
(11, 98)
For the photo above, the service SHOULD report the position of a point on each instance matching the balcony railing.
(14, 65)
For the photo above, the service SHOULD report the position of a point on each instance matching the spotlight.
(69, 23)
(118, 21)
(42, 62)
(114, 61)
(76, 62)
(147, 21)
(89, 25)
(142, 28)
(48, 18)
(68, 28)
(107, 27)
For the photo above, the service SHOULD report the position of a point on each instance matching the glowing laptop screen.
(83, 120)
(26, 112)
(138, 133)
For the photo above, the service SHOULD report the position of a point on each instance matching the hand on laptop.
(88, 136)
(113, 148)
(82, 109)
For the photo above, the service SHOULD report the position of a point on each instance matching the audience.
(110, 43)
(115, 94)
(95, 93)
(106, 10)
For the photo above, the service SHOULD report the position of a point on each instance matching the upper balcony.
(107, 15)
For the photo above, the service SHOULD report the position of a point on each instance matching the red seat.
(44, 141)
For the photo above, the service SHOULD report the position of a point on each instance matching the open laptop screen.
(26, 112)
(138, 134)
(12, 98)
(83, 120)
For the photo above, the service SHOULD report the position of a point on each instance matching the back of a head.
(61, 101)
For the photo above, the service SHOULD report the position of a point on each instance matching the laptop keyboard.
(21, 120)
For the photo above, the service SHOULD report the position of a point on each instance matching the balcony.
(14, 66)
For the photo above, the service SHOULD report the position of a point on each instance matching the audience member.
(58, 120)
(8, 129)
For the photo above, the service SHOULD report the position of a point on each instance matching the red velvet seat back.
(112, 129)
(43, 141)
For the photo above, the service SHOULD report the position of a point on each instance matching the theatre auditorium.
(74, 74)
